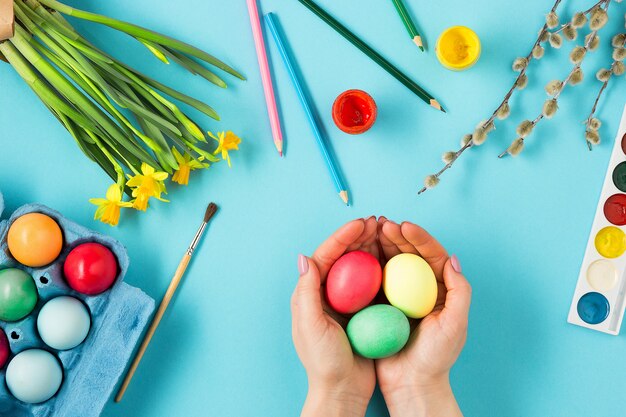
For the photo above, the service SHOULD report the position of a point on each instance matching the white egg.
(63, 323)
(34, 376)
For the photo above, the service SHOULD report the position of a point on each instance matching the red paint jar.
(354, 112)
(615, 209)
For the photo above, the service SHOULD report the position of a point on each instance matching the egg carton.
(92, 370)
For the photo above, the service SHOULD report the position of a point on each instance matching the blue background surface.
(519, 226)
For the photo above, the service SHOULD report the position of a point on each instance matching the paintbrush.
(171, 290)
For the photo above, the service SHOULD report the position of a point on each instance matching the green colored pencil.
(375, 56)
(408, 23)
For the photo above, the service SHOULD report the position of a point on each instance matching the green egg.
(18, 294)
(378, 331)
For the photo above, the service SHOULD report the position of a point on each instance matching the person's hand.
(340, 382)
(415, 382)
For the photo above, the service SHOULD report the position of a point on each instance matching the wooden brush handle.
(171, 290)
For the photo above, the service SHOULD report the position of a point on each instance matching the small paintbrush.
(171, 290)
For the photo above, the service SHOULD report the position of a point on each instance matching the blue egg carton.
(92, 370)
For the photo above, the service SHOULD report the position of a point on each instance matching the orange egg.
(35, 240)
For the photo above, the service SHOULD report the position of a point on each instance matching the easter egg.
(90, 268)
(378, 331)
(5, 349)
(353, 282)
(63, 323)
(410, 285)
(35, 240)
(34, 376)
(18, 294)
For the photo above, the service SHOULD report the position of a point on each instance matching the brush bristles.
(210, 211)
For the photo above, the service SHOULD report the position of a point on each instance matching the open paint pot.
(458, 48)
(354, 112)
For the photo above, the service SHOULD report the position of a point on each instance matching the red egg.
(5, 350)
(90, 268)
(353, 282)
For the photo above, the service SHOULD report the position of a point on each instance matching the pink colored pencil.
(266, 76)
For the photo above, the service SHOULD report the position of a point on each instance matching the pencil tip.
(279, 146)
(344, 197)
(418, 41)
(210, 212)
(434, 103)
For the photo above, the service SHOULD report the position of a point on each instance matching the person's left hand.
(340, 382)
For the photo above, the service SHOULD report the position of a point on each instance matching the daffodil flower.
(145, 185)
(226, 141)
(185, 165)
(108, 210)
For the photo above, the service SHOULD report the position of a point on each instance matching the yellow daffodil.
(185, 165)
(108, 210)
(145, 185)
(226, 141)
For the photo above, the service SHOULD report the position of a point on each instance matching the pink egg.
(5, 350)
(353, 282)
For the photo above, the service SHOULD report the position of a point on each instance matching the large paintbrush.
(171, 290)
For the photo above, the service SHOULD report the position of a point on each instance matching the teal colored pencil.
(408, 23)
(274, 27)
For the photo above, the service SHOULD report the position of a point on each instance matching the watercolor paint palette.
(119, 315)
(598, 301)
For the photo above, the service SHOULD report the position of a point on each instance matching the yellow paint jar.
(610, 242)
(458, 48)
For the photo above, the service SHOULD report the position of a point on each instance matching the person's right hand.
(340, 382)
(415, 382)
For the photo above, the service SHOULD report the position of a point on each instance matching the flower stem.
(139, 32)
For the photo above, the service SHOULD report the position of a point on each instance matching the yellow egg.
(410, 285)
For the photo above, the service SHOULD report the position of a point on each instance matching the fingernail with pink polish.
(456, 265)
(303, 264)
